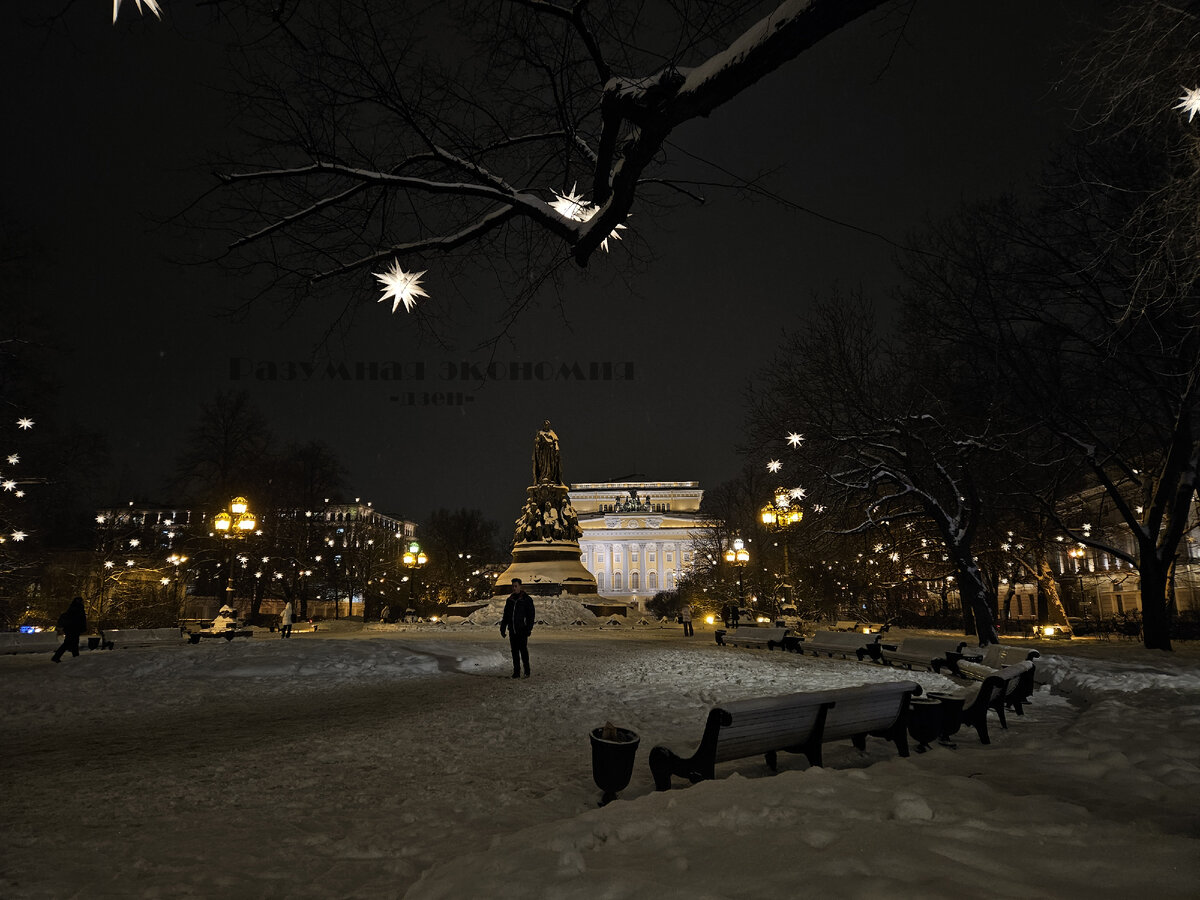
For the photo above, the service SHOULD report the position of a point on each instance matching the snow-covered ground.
(406, 763)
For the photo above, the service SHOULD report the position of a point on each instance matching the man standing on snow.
(518, 622)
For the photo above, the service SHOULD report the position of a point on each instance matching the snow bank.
(548, 611)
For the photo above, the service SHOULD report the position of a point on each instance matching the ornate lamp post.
(1077, 553)
(413, 559)
(737, 556)
(237, 523)
(779, 515)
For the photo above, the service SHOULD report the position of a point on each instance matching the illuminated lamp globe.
(238, 505)
(222, 521)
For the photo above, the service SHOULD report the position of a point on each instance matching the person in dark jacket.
(72, 624)
(518, 622)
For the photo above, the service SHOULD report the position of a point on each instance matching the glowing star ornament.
(14, 459)
(1189, 102)
(402, 287)
(18, 535)
(571, 205)
(151, 5)
(24, 424)
(774, 465)
(795, 440)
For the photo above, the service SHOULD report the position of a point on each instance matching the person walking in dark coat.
(518, 622)
(72, 624)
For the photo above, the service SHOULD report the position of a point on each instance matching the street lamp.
(237, 523)
(413, 559)
(737, 556)
(779, 515)
(1077, 553)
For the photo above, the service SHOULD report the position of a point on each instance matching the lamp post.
(737, 556)
(779, 515)
(234, 524)
(1077, 554)
(413, 559)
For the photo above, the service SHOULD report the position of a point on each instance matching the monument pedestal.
(547, 569)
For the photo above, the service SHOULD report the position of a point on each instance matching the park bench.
(797, 723)
(753, 637)
(36, 642)
(1000, 655)
(847, 625)
(123, 638)
(843, 643)
(991, 693)
(1018, 680)
(927, 652)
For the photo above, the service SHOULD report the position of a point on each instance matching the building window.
(633, 556)
(617, 584)
(652, 581)
(634, 582)
(599, 581)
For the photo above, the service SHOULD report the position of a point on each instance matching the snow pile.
(548, 611)
(408, 764)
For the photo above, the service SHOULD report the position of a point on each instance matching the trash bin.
(613, 753)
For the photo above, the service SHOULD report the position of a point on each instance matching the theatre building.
(637, 535)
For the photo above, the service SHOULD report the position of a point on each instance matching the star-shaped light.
(151, 5)
(774, 465)
(571, 205)
(18, 535)
(795, 440)
(894, 556)
(402, 287)
(14, 459)
(8, 485)
(24, 424)
(19, 494)
(878, 548)
(797, 493)
(1189, 102)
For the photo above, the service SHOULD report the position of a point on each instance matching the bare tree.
(888, 440)
(391, 133)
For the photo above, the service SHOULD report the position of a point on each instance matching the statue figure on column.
(547, 467)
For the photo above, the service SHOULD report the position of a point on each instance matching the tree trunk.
(1156, 621)
(973, 594)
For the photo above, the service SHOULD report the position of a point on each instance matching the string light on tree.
(795, 440)
(402, 287)
(774, 465)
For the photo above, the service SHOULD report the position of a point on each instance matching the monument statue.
(547, 466)
(546, 538)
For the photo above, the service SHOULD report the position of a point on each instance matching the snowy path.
(380, 766)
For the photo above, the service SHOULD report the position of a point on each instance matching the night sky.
(110, 131)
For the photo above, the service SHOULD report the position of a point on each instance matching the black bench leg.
(772, 759)
(859, 741)
(661, 763)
